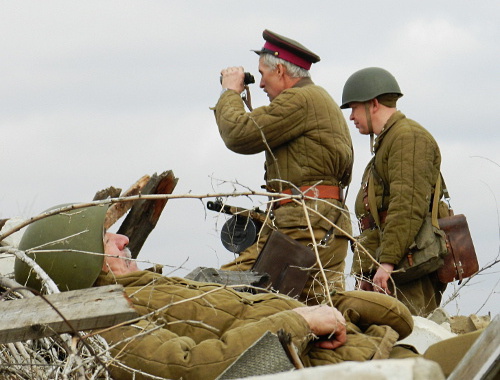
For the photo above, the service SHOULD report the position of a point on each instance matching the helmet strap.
(370, 125)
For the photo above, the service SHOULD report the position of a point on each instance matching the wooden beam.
(144, 215)
(117, 210)
(84, 309)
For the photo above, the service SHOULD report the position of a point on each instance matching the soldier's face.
(115, 244)
(116, 255)
(358, 116)
(270, 81)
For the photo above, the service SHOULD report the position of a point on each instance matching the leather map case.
(461, 260)
(287, 262)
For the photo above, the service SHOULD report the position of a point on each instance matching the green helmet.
(367, 84)
(61, 244)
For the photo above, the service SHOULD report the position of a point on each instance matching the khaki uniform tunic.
(407, 164)
(306, 141)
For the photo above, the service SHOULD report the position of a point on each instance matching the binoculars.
(248, 79)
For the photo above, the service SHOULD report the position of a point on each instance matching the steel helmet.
(367, 84)
(68, 246)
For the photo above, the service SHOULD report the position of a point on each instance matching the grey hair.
(292, 70)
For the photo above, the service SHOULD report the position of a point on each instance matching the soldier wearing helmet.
(361, 88)
(72, 248)
(401, 175)
(69, 246)
(195, 330)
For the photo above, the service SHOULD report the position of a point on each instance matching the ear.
(280, 70)
(375, 104)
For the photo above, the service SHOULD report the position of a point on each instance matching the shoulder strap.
(446, 194)
(372, 204)
(440, 187)
(435, 202)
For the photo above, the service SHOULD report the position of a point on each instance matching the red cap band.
(288, 56)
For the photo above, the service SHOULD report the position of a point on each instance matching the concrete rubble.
(426, 333)
(460, 324)
(396, 369)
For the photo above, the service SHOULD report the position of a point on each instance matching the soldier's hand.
(326, 322)
(381, 278)
(232, 78)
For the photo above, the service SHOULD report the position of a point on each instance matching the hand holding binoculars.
(248, 79)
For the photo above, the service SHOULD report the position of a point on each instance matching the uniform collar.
(395, 117)
(305, 81)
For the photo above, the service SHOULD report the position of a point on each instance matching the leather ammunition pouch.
(368, 222)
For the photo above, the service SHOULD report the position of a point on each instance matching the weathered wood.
(117, 210)
(110, 192)
(482, 361)
(144, 215)
(84, 309)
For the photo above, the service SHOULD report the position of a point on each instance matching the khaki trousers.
(422, 296)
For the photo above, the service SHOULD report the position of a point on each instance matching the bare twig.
(103, 202)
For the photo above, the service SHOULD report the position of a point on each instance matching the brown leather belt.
(319, 191)
(368, 222)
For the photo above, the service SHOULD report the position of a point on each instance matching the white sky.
(99, 93)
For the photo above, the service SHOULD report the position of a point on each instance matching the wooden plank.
(482, 361)
(84, 309)
(144, 215)
(117, 210)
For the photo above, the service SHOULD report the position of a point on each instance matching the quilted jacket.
(194, 330)
(407, 164)
(305, 139)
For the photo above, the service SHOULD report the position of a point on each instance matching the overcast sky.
(99, 93)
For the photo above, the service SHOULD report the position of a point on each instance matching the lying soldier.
(195, 330)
